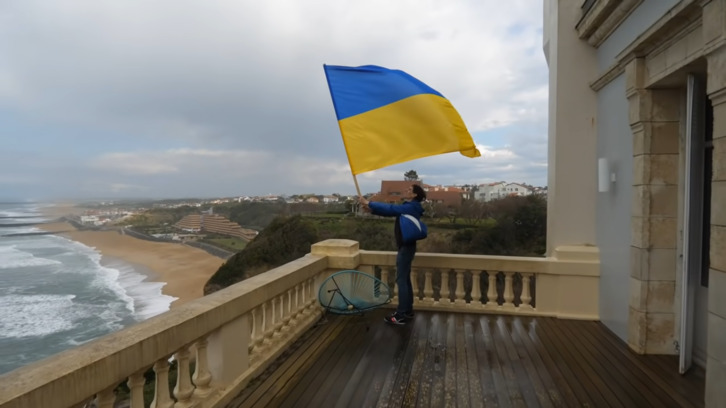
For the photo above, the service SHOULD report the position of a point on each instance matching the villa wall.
(631, 280)
(614, 142)
(655, 45)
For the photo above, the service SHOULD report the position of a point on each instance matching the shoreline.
(183, 270)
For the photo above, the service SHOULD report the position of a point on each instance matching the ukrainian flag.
(387, 117)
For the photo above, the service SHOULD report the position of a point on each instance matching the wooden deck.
(467, 360)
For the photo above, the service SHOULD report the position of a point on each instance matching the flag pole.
(355, 179)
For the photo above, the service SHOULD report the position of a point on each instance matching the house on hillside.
(394, 191)
(637, 168)
(491, 191)
(516, 189)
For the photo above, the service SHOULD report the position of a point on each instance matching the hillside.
(514, 226)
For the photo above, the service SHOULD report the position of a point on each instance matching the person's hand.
(364, 204)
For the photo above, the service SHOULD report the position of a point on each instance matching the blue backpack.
(412, 229)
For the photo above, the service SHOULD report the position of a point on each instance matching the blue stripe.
(360, 89)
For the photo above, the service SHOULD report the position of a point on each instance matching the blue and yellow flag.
(387, 117)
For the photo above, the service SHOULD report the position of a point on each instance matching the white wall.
(614, 142)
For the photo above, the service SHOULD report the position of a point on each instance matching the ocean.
(56, 293)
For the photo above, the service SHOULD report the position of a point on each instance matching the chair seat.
(351, 291)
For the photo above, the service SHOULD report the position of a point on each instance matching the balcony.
(530, 323)
(465, 359)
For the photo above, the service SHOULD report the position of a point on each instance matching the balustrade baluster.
(384, 275)
(395, 284)
(278, 312)
(136, 383)
(307, 290)
(492, 294)
(414, 285)
(106, 398)
(460, 292)
(162, 398)
(526, 298)
(183, 389)
(253, 331)
(444, 294)
(312, 296)
(296, 302)
(202, 376)
(428, 286)
(476, 288)
(287, 310)
(268, 322)
(258, 319)
(508, 290)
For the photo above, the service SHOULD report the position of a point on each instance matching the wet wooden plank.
(527, 362)
(625, 372)
(302, 354)
(556, 387)
(454, 359)
(596, 392)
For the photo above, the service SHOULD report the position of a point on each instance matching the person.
(406, 252)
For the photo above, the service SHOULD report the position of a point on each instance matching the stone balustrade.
(566, 286)
(218, 343)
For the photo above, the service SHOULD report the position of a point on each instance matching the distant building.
(501, 189)
(215, 224)
(491, 191)
(394, 191)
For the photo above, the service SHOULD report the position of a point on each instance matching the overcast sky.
(180, 98)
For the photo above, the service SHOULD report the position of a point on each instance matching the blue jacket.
(412, 207)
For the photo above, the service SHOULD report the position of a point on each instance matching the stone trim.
(682, 19)
(603, 19)
(654, 115)
(675, 20)
(612, 22)
(594, 17)
(608, 76)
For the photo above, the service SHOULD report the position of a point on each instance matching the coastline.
(183, 270)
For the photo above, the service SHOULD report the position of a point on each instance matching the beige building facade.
(637, 156)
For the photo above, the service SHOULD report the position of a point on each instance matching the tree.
(474, 211)
(410, 175)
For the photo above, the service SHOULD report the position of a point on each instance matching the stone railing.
(566, 286)
(218, 343)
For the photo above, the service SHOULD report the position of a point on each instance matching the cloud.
(140, 88)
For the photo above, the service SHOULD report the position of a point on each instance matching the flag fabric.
(387, 117)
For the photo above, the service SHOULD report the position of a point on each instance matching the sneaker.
(396, 319)
(408, 315)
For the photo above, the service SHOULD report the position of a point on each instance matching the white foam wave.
(11, 257)
(35, 315)
(148, 298)
(141, 297)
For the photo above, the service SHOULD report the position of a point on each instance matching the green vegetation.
(232, 244)
(510, 226)
(284, 240)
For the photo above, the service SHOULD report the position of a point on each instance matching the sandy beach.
(184, 269)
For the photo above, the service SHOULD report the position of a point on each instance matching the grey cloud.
(242, 76)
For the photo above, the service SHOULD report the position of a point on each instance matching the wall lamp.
(604, 176)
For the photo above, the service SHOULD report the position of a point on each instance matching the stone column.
(572, 134)
(654, 120)
(714, 32)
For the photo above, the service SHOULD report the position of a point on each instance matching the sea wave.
(142, 298)
(12, 257)
(35, 315)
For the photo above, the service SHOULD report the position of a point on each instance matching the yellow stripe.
(419, 126)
